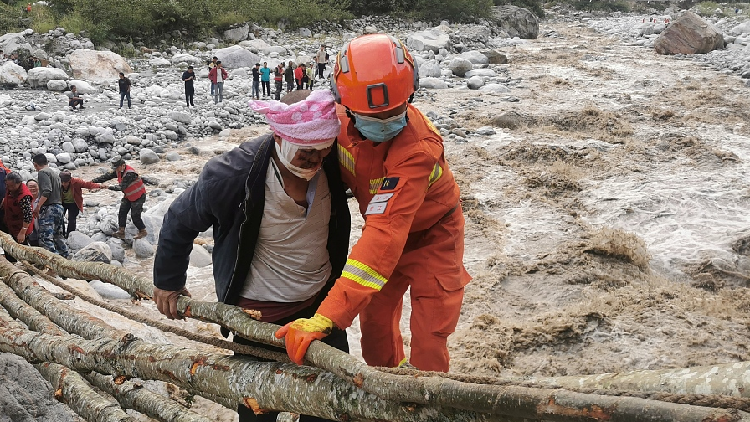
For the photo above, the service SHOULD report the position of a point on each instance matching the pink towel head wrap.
(309, 122)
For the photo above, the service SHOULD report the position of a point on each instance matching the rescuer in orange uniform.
(392, 158)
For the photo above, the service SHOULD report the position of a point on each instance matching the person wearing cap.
(72, 197)
(188, 77)
(392, 159)
(49, 209)
(256, 81)
(17, 203)
(280, 224)
(218, 75)
(134, 196)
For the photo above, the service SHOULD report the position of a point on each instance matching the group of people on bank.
(33, 211)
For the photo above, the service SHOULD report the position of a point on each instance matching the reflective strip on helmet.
(363, 275)
(347, 160)
(436, 173)
(375, 185)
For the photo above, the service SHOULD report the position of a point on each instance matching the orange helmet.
(374, 73)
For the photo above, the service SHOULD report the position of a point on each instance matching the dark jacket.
(230, 196)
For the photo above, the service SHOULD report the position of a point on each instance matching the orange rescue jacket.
(136, 189)
(403, 186)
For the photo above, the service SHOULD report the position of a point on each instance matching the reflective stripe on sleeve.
(347, 160)
(437, 172)
(363, 275)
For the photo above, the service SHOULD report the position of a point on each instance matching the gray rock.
(495, 89)
(26, 396)
(460, 66)
(57, 85)
(304, 32)
(63, 157)
(199, 257)
(94, 252)
(118, 252)
(516, 21)
(77, 240)
(237, 34)
(485, 131)
(182, 117)
(429, 69)
(481, 72)
(68, 147)
(369, 29)
(743, 28)
(475, 57)
(142, 248)
(186, 58)
(83, 87)
(495, 57)
(80, 145)
(475, 82)
(235, 57)
(431, 39)
(39, 76)
(148, 156)
(432, 83)
(42, 116)
(173, 156)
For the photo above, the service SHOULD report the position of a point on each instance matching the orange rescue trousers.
(431, 267)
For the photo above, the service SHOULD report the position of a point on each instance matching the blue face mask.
(380, 130)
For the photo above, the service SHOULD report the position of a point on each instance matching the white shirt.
(291, 262)
(218, 76)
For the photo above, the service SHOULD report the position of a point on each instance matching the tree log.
(21, 310)
(131, 395)
(79, 395)
(731, 379)
(306, 390)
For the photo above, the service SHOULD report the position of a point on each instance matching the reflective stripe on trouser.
(431, 268)
(52, 229)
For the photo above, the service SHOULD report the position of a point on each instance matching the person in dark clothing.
(188, 77)
(33, 237)
(74, 98)
(289, 77)
(124, 84)
(134, 196)
(3, 172)
(49, 209)
(278, 78)
(264, 203)
(256, 81)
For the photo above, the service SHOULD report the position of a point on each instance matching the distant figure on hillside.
(256, 81)
(278, 78)
(289, 74)
(265, 79)
(211, 66)
(74, 98)
(134, 196)
(321, 59)
(218, 75)
(188, 77)
(28, 7)
(124, 84)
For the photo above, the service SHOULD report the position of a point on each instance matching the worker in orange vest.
(134, 196)
(392, 158)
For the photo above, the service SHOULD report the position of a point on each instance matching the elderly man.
(49, 209)
(17, 205)
(281, 226)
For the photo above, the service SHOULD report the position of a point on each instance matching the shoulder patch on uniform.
(389, 183)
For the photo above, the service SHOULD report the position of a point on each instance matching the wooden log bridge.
(76, 351)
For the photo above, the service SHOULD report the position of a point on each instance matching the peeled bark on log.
(307, 390)
(21, 310)
(65, 316)
(731, 379)
(131, 395)
(79, 395)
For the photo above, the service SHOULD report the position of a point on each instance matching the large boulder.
(39, 76)
(57, 85)
(475, 57)
(83, 87)
(12, 74)
(431, 39)
(516, 21)
(186, 58)
(432, 83)
(743, 28)
(429, 69)
(235, 57)
(460, 66)
(689, 34)
(237, 34)
(94, 252)
(77, 240)
(199, 257)
(97, 66)
(142, 248)
(148, 156)
(255, 45)
(14, 41)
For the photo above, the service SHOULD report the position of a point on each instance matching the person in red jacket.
(299, 72)
(18, 210)
(72, 196)
(218, 75)
(134, 196)
(392, 158)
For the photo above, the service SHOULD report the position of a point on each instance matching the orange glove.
(299, 334)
